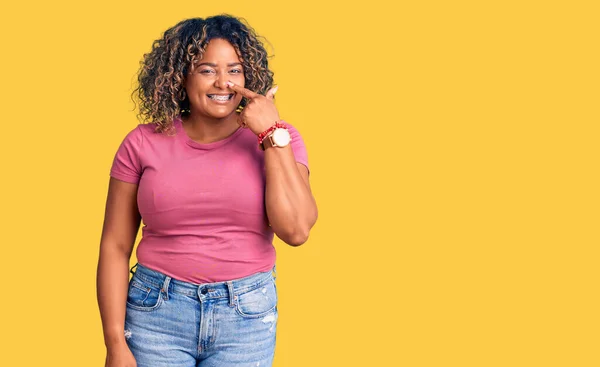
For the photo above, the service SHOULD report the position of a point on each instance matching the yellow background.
(454, 157)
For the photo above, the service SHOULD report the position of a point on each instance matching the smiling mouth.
(220, 97)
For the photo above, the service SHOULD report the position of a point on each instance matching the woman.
(214, 174)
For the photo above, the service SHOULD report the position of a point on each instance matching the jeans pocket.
(143, 296)
(257, 302)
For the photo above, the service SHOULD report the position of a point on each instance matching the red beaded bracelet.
(264, 134)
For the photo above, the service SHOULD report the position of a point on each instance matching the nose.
(221, 80)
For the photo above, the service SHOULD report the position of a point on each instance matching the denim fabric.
(173, 323)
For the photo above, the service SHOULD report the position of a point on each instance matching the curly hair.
(162, 71)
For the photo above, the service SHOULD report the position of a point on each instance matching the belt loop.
(131, 270)
(165, 288)
(274, 272)
(231, 294)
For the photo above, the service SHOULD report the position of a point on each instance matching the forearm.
(291, 208)
(112, 282)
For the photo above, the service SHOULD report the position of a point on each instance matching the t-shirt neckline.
(183, 136)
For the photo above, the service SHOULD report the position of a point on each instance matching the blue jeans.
(169, 322)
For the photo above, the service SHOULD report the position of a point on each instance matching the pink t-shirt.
(202, 205)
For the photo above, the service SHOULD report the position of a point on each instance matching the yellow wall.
(454, 157)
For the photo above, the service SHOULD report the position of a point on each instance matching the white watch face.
(281, 137)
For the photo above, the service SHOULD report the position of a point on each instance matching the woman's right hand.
(120, 357)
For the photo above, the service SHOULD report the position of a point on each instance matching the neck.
(206, 129)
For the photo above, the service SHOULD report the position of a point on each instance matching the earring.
(181, 94)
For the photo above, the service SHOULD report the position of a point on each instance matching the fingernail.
(275, 90)
(230, 84)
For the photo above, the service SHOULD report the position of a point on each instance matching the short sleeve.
(127, 164)
(298, 146)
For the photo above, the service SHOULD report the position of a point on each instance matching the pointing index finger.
(243, 91)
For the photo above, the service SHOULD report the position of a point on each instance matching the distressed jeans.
(173, 323)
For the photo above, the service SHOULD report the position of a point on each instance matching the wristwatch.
(280, 137)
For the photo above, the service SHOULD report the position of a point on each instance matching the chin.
(216, 113)
(221, 115)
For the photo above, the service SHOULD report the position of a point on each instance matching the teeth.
(219, 98)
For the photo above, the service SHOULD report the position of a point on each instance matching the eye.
(236, 71)
(205, 71)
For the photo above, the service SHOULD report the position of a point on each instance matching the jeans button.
(204, 291)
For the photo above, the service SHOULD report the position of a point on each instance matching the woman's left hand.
(260, 113)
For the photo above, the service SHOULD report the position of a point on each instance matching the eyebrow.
(215, 65)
